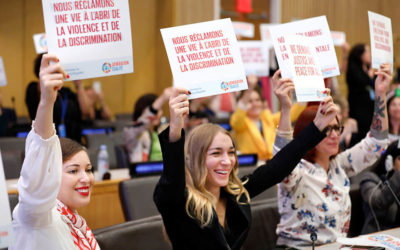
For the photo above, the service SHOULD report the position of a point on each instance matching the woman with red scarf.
(56, 179)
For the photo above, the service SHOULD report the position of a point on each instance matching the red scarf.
(83, 236)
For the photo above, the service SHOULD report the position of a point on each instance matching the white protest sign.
(380, 30)
(265, 33)
(255, 57)
(91, 38)
(338, 37)
(3, 78)
(205, 58)
(40, 43)
(244, 29)
(5, 218)
(305, 69)
(318, 30)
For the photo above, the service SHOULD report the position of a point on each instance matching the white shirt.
(36, 222)
(310, 199)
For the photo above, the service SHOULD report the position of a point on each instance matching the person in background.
(393, 106)
(69, 107)
(56, 179)
(314, 198)
(350, 126)
(99, 109)
(380, 207)
(141, 138)
(203, 203)
(360, 83)
(254, 125)
(7, 118)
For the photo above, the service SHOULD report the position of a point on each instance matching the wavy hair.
(200, 201)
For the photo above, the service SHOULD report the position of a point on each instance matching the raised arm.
(283, 163)
(51, 80)
(169, 192)
(379, 125)
(85, 105)
(282, 89)
(40, 179)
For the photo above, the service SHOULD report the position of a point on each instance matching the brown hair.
(69, 148)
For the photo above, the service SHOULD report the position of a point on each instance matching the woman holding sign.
(314, 199)
(203, 203)
(56, 179)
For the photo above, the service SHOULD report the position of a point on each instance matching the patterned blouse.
(313, 200)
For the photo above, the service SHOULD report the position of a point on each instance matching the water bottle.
(103, 164)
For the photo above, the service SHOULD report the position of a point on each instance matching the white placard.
(318, 30)
(244, 29)
(40, 42)
(380, 30)
(338, 37)
(305, 69)
(5, 218)
(265, 33)
(255, 57)
(205, 58)
(91, 38)
(3, 78)
(379, 240)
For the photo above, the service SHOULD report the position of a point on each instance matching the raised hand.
(327, 112)
(51, 79)
(282, 89)
(178, 108)
(384, 77)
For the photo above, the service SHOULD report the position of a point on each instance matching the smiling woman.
(56, 179)
(203, 203)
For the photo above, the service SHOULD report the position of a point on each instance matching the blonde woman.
(203, 203)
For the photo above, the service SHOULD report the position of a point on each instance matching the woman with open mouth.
(56, 179)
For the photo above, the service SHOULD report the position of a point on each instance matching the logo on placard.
(224, 86)
(231, 84)
(106, 67)
(114, 66)
(43, 42)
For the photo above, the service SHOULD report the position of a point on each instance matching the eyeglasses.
(338, 129)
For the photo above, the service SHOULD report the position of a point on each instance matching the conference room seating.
(136, 197)
(12, 143)
(12, 162)
(146, 233)
(93, 144)
(13, 200)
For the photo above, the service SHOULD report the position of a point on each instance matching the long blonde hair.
(200, 201)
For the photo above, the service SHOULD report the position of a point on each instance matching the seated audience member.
(314, 197)
(203, 203)
(7, 118)
(380, 207)
(56, 179)
(141, 138)
(360, 83)
(253, 125)
(350, 125)
(69, 107)
(99, 109)
(393, 106)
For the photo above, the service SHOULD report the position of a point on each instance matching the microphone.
(389, 167)
(313, 237)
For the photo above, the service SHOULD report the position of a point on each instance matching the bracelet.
(284, 133)
(153, 110)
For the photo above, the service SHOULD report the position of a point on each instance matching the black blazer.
(170, 194)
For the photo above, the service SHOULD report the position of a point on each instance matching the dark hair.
(356, 53)
(389, 101)
(379, 166)
(143, 102)
(69, 148)
(305, 118)
(36, 64)
(257, 89)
